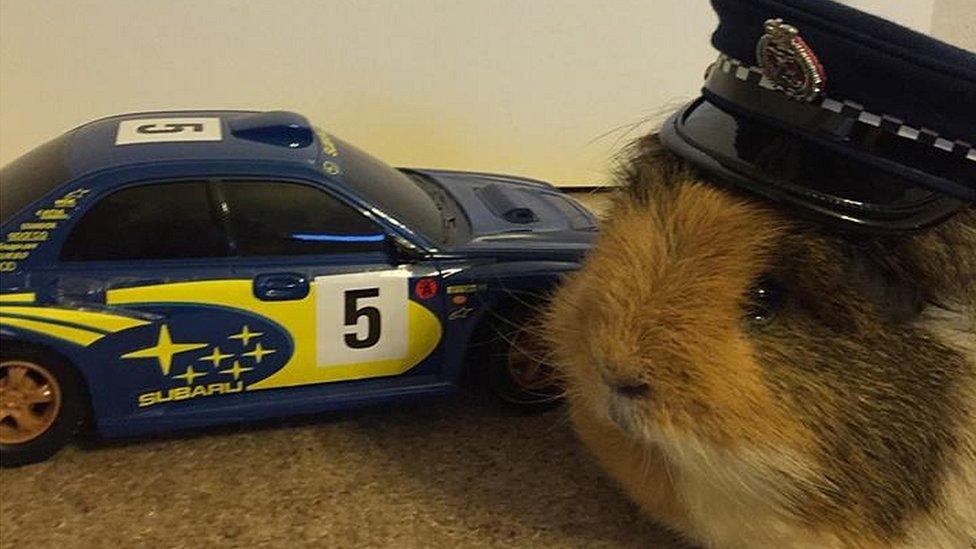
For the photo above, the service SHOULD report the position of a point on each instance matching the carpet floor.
(456, 472)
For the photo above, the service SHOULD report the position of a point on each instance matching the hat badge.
(789, 63)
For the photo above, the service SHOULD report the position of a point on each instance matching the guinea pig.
(755, 380)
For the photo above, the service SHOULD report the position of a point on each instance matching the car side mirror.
(403, 250)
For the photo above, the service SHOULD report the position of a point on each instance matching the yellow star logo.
(258, 353)
(245, 335)
(189, 375)
(164, 349)
(236, 370)
(215, 357)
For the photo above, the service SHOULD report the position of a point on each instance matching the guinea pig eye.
(764, 300)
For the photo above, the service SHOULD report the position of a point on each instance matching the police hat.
(850, 118)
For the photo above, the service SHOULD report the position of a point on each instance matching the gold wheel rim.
(30, 400)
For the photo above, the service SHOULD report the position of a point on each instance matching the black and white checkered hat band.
(853, 111)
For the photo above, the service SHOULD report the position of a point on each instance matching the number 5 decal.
(169, 130)
(361, 317)
(372, 315)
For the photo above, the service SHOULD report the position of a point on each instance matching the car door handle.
(280, 286)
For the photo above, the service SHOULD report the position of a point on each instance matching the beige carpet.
(456, 472)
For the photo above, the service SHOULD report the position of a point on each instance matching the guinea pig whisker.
(508, 321)
(527, 298)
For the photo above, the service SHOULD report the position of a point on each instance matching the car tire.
(518, 373)
(42, 404)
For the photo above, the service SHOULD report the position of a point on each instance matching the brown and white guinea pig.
(752, 380)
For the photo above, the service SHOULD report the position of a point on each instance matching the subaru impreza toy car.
(181, 269)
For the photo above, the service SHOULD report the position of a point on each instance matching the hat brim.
(850, 189)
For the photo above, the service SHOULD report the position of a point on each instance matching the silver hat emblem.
(789, 63)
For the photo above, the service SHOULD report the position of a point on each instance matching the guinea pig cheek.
(711, 390)
(729, 402)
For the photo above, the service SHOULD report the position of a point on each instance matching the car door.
(119, 275)
(326, 272)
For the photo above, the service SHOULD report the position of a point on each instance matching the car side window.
(154, 221)
(271, 218)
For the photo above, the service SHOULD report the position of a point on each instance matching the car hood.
(506, 212)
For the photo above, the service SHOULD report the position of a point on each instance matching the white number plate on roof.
(168, 130)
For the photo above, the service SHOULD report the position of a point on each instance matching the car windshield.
(390, 190)
(32, 176)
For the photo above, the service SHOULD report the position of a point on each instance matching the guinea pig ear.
(881, 279)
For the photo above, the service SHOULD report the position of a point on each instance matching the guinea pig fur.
(754, 380)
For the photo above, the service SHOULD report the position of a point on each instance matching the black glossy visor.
(854, 176)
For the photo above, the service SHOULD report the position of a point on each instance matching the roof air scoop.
(278, 128)
(505, 203)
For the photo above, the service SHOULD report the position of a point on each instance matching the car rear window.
(172, 220)
(30, 177)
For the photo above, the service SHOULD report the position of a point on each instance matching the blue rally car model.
(181, 269)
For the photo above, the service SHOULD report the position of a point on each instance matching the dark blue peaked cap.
(846, 116)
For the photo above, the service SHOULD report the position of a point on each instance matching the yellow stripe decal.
(425, 333)
(88, 319)
(233, 293)
(74, 335)
(25, 297)
(297, 317)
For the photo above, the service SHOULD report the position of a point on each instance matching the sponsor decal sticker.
(17, 246)
(330, 167)
(426, 288)
(460, 314)
(465, 288)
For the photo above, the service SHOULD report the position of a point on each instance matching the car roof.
(274, 136)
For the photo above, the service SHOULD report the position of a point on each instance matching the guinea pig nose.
(631, 390)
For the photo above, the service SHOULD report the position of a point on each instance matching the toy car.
(181, 269)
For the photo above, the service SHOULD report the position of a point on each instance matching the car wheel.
(520, 374)
(41, 405)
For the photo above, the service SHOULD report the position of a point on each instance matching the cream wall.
(546, 88)
(955, 20)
